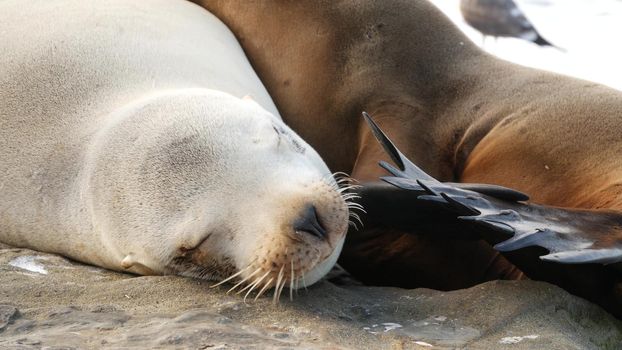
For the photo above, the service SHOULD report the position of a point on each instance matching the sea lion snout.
(292, 235)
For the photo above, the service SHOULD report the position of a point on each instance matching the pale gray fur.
(112, 149)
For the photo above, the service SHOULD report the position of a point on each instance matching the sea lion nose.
(309, 223)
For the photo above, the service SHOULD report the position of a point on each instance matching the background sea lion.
(121, 145)
(459, 113)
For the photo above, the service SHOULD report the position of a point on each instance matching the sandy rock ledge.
(48, 301)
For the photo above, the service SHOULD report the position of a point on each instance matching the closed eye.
(276, 130)
(297, 147)
(279, 133)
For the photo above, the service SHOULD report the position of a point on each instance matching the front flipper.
(572, 236)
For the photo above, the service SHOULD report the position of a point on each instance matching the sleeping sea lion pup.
(122, 145)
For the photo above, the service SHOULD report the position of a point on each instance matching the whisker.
(249, 292)
(353, 180)
(351, 210)
(275, 292)
(340, 173)
(230, 277)
(275, 298)
(334, 180)
(347, 197)
(291, 283)
(350, 197)
(351, 203)
(356, 206)
(297, 285)
(347, 188)
(265, 287)
(244, 280)
(340, 176)
(278, 298)
(255, 284)
(354, 215)
(248, 286)
(343, 181)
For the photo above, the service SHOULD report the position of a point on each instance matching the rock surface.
(49, 301)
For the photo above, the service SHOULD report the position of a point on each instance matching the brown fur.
(456, 111)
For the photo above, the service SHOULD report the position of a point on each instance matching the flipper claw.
(390, 168)
(586, 256)
(432, 198)
(428, 187)
(403, 183)
(495, 191)
(499, 226)
(461, 208)
(524, 240)
(408, 168)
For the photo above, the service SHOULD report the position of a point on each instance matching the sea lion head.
(281, 219)
(216, 187)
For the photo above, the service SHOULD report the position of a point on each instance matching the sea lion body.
(124, 143)
(459, 113)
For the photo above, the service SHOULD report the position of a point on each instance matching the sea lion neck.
(355, 36)
(324, 62)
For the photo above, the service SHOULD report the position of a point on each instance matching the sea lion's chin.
(323, 267)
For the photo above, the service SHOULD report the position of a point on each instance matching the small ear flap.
(251, 99)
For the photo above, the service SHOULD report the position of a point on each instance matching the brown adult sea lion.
(457, 112)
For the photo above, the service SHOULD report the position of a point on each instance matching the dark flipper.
(391, 207)
(572, 236)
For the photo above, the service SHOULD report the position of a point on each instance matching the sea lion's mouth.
(288, 275)
(262, 279)
(208, 269)
(184, 251)
(197, 261)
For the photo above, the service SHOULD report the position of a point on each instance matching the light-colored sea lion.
(123, 144)
(459, 113)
